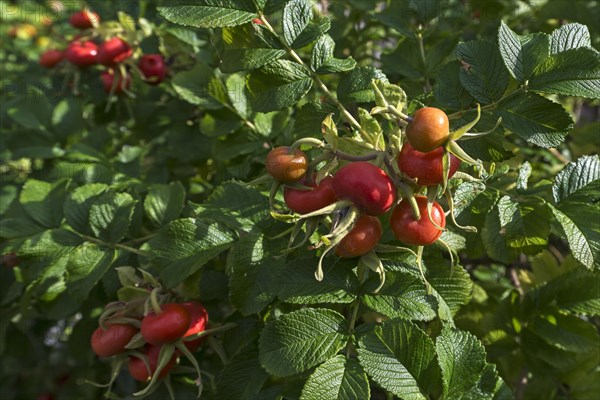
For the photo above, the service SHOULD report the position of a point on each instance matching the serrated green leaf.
(312, 32)
(301, 339)
(483, 73)
(248, 47)
(296, 16)
(461, 357)
(111, 215)
(277, 85)
(209, 13)
(574, 72)
(12, 228)
(400, 357)
(578, 222)
(300, 286)
(77, 206)
(242, 378)
(164, 202)
(337, 379)
(253, 273)
(43, 201)
(569, 36)
(322, 60)
(575, 176)
(52, 243)
(183, 246)
(198, 86)
(522, 54)
(356, 85)
(448, 90)
(566, 332)
(85, 267)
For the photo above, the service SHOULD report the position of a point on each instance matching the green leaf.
(242, 378)
(569, 36)
(198, 86)
(400, 357)
(448, 90)
(52, 243)
(164, 202)
(277, 85)
(512, 228)
(461, 357)
(404, 295)
(566, 332)
(312, 32)
(110, 216)
(85, 267)
(77, 206)
(356, 85)
(522, 54)
(253, 273)
(489, 387)
(574, 72)
(301, 340)
(322, 60)
(248, 47)
(67, 117)
(183, 246)
(296, 16)
(578, 222)
(209, 13)
(535, 119)
(483, 73)
(300, 286)
(337, 379)
(575, 176)
(43, 201)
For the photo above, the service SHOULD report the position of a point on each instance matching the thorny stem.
(314, 76)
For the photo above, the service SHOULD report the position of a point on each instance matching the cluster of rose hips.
(354, 197)
(150, 332)
(114, 53)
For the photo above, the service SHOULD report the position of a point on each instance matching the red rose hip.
(113, 51)
(168, 326)
(112, 341)
(427, 168)
(419, 232)
(82, 54)
(366, 186)
(153, 67)
(51, 57)
(84, 19)
(363, 238)
(307, 201)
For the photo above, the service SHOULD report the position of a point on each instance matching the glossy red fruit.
(198, 321)
(51, 57)
(427, 168)
(363, 237)
(107, 343)
(139, 371)
(285, 167)
(82, 54)
(83, 19)
(306, 201)
(166, 327)
(10, 260)
(153, 67)
(417, 232)
(428, 130)
(108, 78)
(365, 185)
(113, 51)
(258, 21)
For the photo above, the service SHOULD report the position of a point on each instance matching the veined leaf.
(209, 13)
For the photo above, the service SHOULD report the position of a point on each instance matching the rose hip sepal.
(366, 186)
(198, 321)
(168, 326)
(419, 232)
(142, 372)
(426, 168)
(112, 341)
